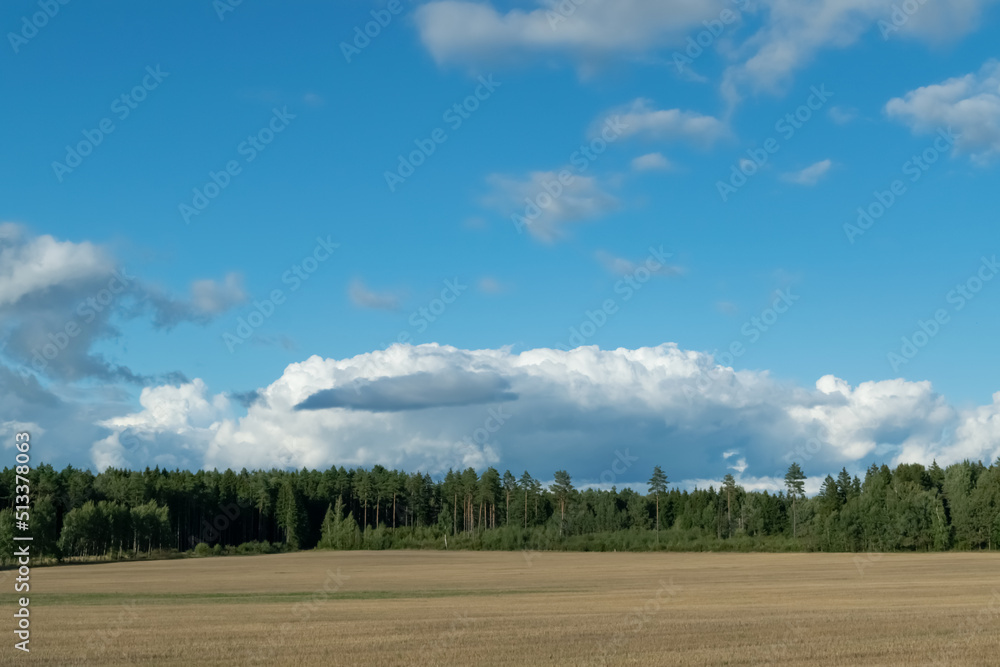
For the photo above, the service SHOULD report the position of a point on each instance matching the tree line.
(154, 512)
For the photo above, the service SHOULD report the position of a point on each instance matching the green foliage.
(131, 514)
(7, 537)
(339, 532)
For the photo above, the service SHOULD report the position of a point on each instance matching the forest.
(154, 513)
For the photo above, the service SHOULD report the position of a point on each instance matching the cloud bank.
(433, 407)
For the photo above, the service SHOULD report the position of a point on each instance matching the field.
(490, 608)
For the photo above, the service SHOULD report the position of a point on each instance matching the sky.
(588, 235)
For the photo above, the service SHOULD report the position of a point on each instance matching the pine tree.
(795, 483)
(509, 487)
(729, 484)
(528, 484)
(562, 488)
(658, 485)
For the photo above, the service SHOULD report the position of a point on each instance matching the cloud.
(279, 340)
(433, 407)
(40, 264)
(418, 391)
(787, 36)
(792, 33)
(58, 299)
(650, 162)
(811, 175)
(363, 297)
(545, 214)
(619, 266)
(842, 115)
(727, 307)
(640, 119)
(476, 34)
(969, 105)
(174, 429)
(60, 421)
(313, 99)
(208, 299)
(490, 285)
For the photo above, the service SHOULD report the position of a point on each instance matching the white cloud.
(727, 307)
(212, 298)
(490, 285)
(547, 204)
(811, 175)
(619, 266)
(792, 33)
(49, 287)
(650, 162)
(641, 119)
(365, 298)
(788, 37)
(969, 105)
(9, 429)
(842, 115)
(181, 420)
(475, 33)
(32, 265)
(432, 407)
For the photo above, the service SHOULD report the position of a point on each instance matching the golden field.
(500, 608)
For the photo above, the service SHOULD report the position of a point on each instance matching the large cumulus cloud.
(545, 409)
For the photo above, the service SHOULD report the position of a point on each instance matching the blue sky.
(553, 80)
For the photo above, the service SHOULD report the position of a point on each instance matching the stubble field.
(476, 608)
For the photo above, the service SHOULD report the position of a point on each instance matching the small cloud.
(212, 298)
(731, 453)
(739, 466)
(842, 115)
(490, 285)
(642, 119)
(209, 299)
(651, 162)
(619, 266)
(727, 307)
(281, 341)
(363, 297)
(811, 175)
(543, 204)
(313, 100)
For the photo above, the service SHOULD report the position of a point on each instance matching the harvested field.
(498, 608)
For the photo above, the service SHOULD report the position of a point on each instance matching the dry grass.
(406, 608)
